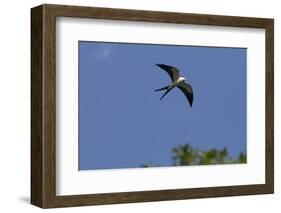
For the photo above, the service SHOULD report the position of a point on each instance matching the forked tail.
(168, 90)
(163, 88)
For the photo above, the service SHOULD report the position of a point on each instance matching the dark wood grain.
(43, 155)
(36, 106)
(269, 116)
(153, 16)
(43, 105)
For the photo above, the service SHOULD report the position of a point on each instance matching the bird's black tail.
(168, 90)
(163, 88)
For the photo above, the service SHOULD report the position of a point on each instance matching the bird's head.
(182, 78)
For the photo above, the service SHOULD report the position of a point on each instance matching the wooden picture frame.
(43, 105)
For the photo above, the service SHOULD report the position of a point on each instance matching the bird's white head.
(182, 78)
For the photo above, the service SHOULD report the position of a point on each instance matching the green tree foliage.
(184, 155)
(214, 156)
(146, 165)
(242, 158)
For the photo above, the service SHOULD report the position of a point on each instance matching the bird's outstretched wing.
(172, 71)
(187, 90)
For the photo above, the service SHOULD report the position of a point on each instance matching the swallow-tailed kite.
(177, 81)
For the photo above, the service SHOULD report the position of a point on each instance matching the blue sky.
(122, 122)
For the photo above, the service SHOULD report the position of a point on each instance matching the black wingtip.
(161, 65)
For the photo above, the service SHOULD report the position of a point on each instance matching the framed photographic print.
(135, 106)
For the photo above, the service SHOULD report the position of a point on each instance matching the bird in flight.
(177, 81)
